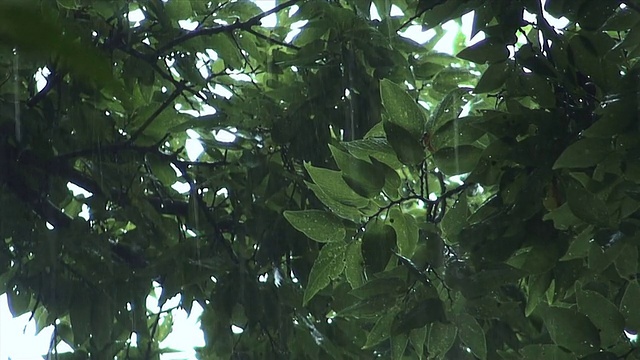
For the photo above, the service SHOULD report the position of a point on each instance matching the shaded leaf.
(441, 338)
(485, 51)
(457, 160)
(602, 313)
(586, 205)
(628, 306)
(583, 153)
(406, 145)
(472, 334)
(363, 177)
(381, 330)
(572, 330)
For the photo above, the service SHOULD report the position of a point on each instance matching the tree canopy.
(329, 186)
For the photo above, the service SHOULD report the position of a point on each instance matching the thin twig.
(272, 40)
(157, 113)
(254, 21)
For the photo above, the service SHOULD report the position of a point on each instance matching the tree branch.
(157, 113)
(247, 25)
(272, 40)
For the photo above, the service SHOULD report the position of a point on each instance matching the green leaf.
(448, 108)
(228, 51)
(398, 346)
(629, 306)
(369, 308)
(583, 153)
(545, 351)
(333, 184)
(380, 331)
(354, 264)
(453, 78)
(472, 334)
(80, 318)
(165, 327)
(363, 177)
(580, 245)
(329, 265)
(340, 209)
(377, 148)
(401, 109)
(101, 321)
(585, 205)
(418, 337)
(392, 181)
(377, 242)
(420, 315)
(441, 338)
(493, 78)
(571, 329)
(179, 10)
(455, 219)
(406, 231)
(538, 285)
(457, 160)
(406, 146)
(376, 287)
(602, 313)
(627, 262)
(318, 225)
(459, 131)
(41, 317)
(485, 51)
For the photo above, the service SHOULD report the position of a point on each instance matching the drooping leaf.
(627, 262)
(381, 330)
(485, 51)
(493, 78)
(401, 109)
(398, 346)
(602, 313)
(457, 160)
(406, 146)
(472, 334)
(377, 243)
(406, 231)
(586, 205)
(363, 177)
(441, 338)
(628, 305)
(354, 264)
(332, 183)
(318, 225)
(572, 330)
(459, 131)
(583, 153)
(328, 266)
(545, 351)
(420, 315)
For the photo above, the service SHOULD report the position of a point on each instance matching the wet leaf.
(318, 225)
(328, 266)
(401, 109)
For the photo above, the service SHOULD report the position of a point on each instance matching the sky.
(18, 340)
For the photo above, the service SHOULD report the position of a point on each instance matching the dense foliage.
(377, 199)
